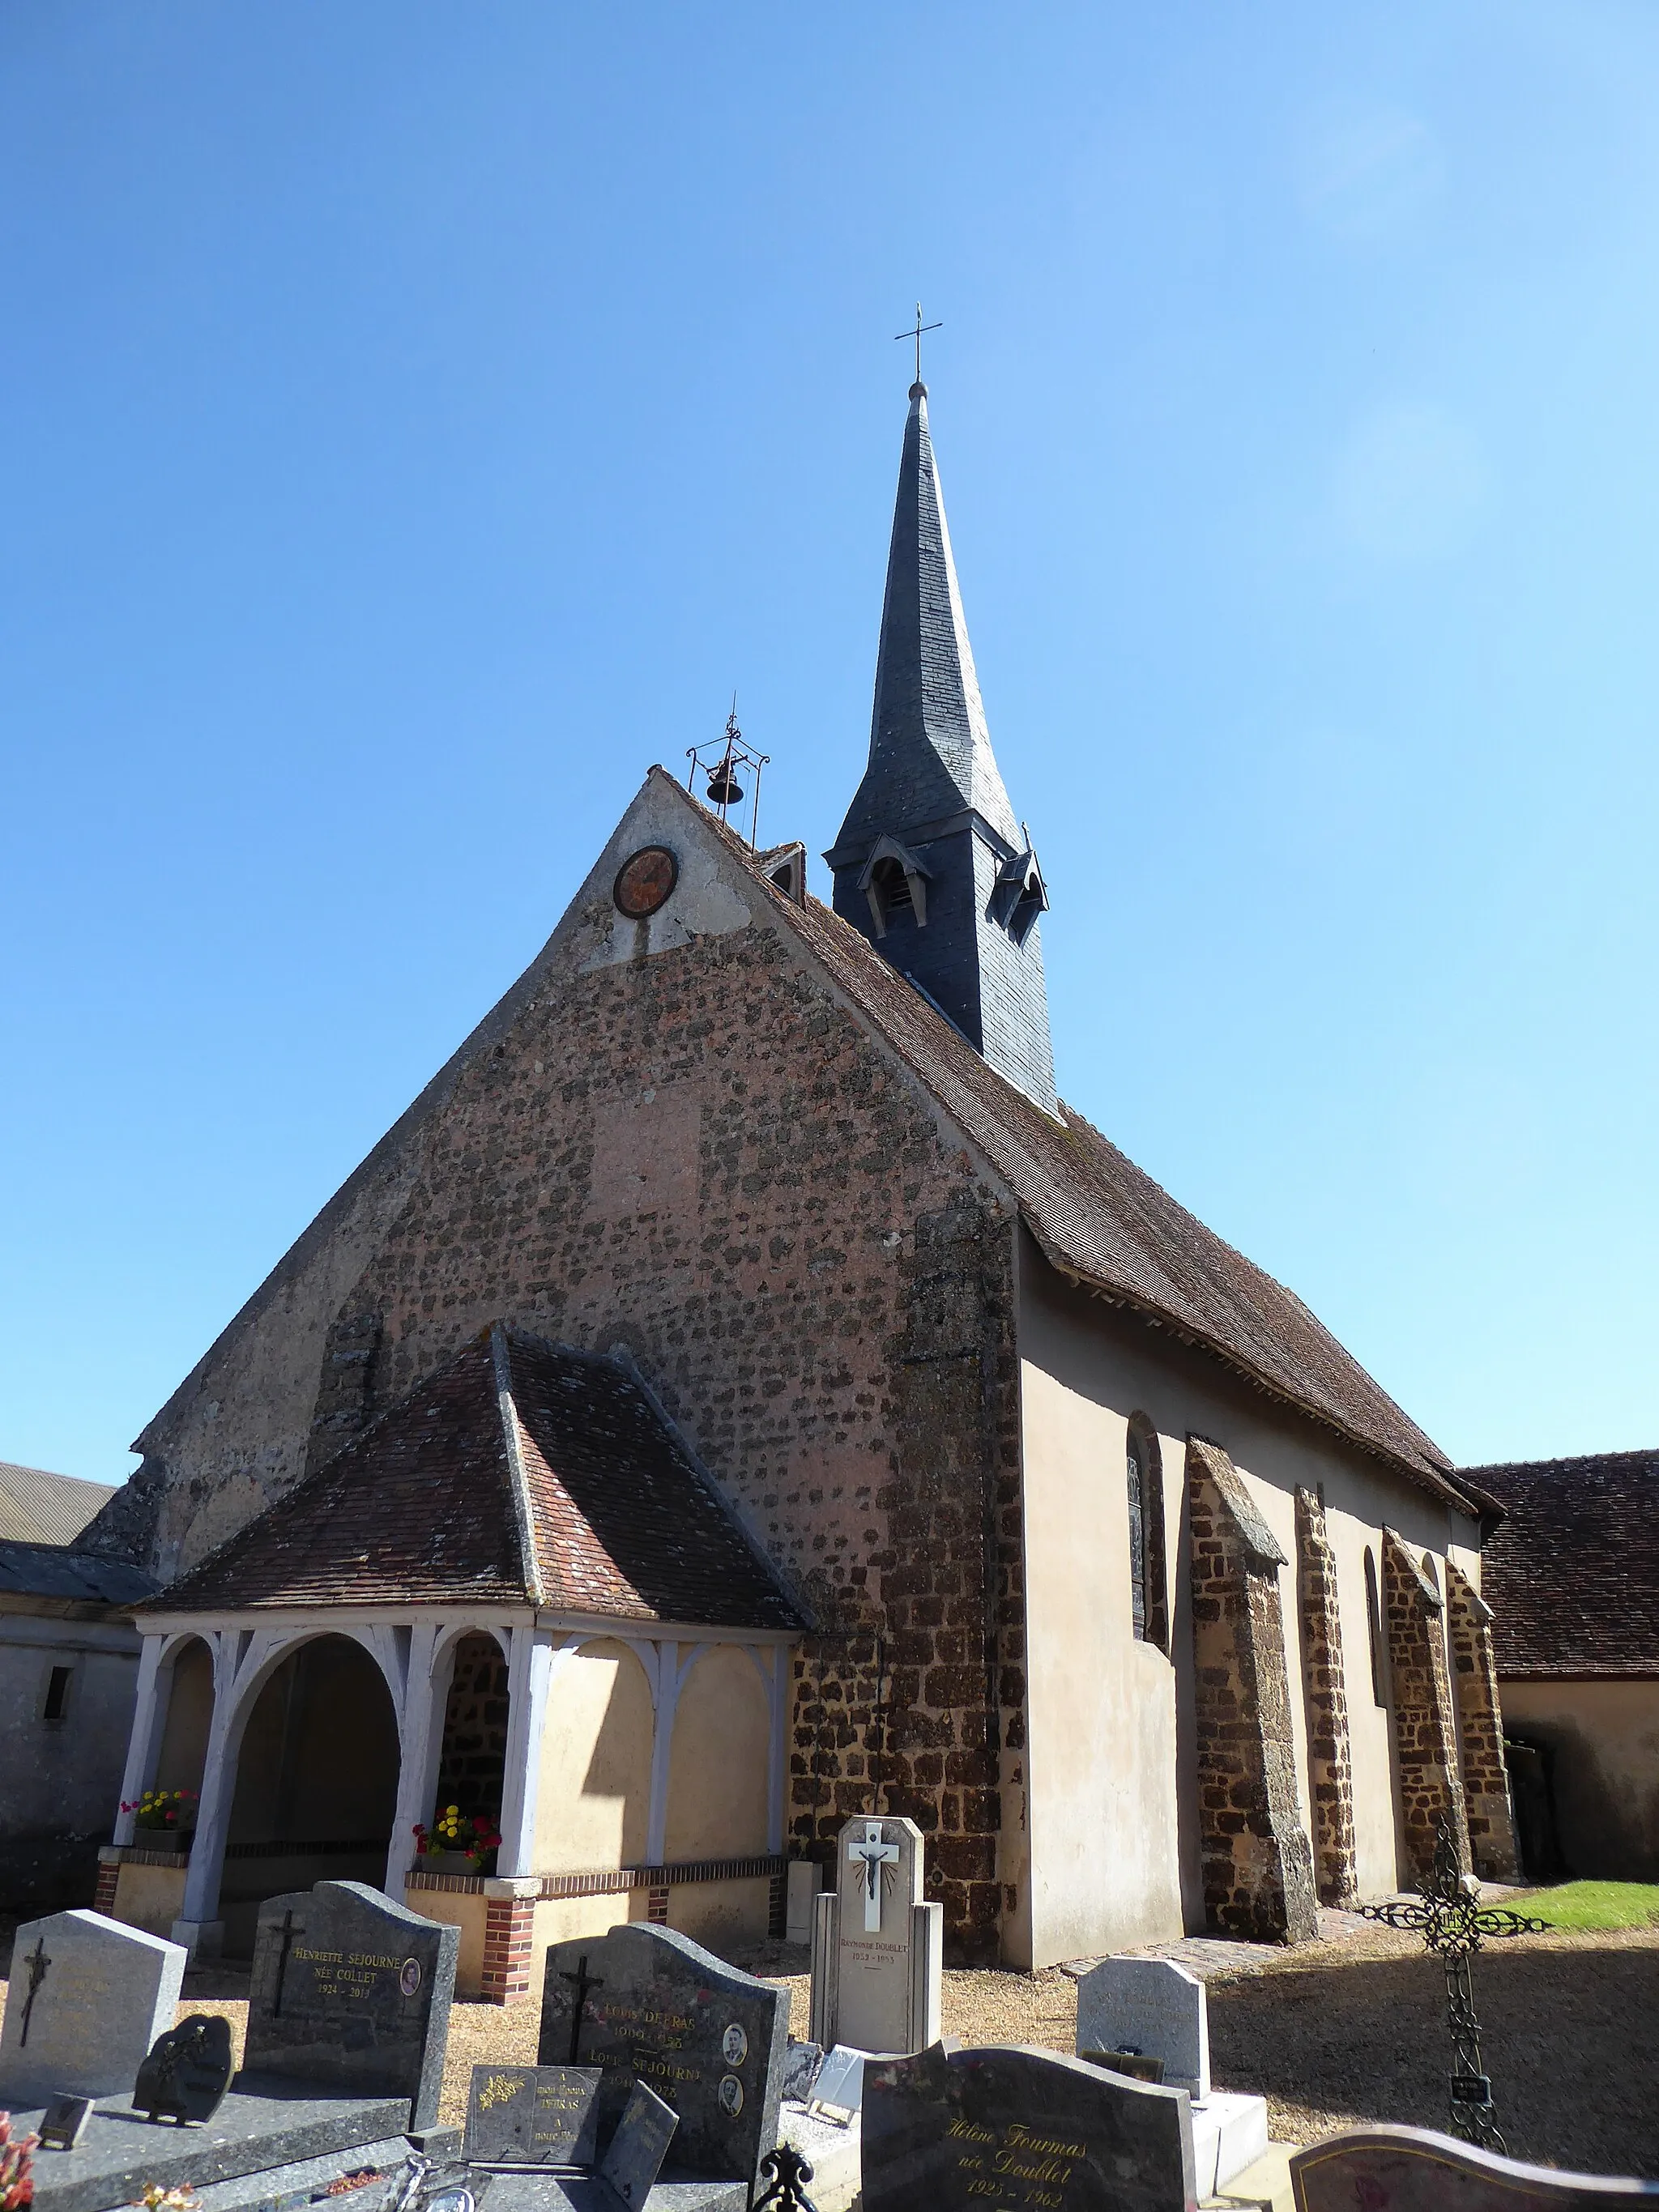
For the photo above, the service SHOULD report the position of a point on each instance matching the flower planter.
(448, 1862)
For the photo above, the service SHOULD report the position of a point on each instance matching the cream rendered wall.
(595, 1794)
(718, 1767)
(1109, 1783)
(1605, 1741)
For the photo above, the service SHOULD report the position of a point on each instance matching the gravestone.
(981, 2130)
(1386, 2169)
(800, 2070)
(87, 1998)
(350, 1993)
(1151, 2006)
(640, 2145)
(186, 2073)
(877, 1949)
(647, 2004)
(533, 2115)
(65, 2122)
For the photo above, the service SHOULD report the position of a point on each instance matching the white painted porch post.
(671, 1672)
(529, 1676)
(197, 1926)
(420, 1740)
(145, 1744)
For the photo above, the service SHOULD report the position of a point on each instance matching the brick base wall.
(109, 1881)
(1325, 1701)
(1424, 1729)
(1480, 1724)
(1258, 1866)
(508, 1944)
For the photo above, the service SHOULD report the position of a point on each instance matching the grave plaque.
(533, 2115)
(1152, 2007)
(646, 2004)
(186, 2076)
(65, 2122)
(638, 2145)
(877, 1948)
(800, 2071)
(351, 1993)
(1387, 2169)
(1004, 2129)
(87, 1998)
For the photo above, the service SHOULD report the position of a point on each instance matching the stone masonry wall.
(702, 1156)
(1325, 1701)
(1424, 1729)
(1257, 1865)
(1480, 1724)
(472, 1764)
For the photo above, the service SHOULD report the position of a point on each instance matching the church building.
(738, 1394)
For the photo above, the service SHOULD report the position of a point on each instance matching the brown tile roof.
(1100, 1219)
(1572, 1573)
(519, 1473)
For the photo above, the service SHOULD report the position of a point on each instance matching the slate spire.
(931, 863)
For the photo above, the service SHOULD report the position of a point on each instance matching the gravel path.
(1346, 2031)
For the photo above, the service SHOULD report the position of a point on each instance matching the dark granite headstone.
(1414, 2170)
(187, 2071)
(640, 2145)
(533, 2115)
(979, 2130)
(352, 1992)
(65, 2122)
(649, 2005)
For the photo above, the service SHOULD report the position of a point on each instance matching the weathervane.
(1451, 1920)
(917, 334)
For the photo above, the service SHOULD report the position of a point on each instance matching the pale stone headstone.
(877, 1950)
(87, 1998)
(1415, 2170)
(1151, 2006)
(961, 2130)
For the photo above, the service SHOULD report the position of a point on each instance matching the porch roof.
(520, 1472)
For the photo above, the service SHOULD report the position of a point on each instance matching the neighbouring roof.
(50, 1570)
(38, 1508)
(520, 1472)
(1098, 1219)
(1573, 1575)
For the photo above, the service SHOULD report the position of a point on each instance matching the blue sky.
(417, 419)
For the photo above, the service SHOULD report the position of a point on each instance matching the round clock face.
(645, 880)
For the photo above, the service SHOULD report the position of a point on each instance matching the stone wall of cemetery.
(675, 1136)
(1114, 1813)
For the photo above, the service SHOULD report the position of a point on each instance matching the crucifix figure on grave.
(584, 1982)
(38, 1966)
(875, 1857)
(286, 1944)
(1451, 1920)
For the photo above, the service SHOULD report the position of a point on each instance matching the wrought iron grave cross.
(1450, 1919)
(584, 1982)
(917, 335)
(870, 1850)
(38, 1965)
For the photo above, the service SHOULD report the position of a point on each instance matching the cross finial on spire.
(918, 387)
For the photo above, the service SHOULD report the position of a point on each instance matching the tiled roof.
(38, 1508)
(1100, 1219)
(520, 1472)
(1572, 1572)
(51, 1571)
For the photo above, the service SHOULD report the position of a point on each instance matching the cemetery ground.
(1335, 2033)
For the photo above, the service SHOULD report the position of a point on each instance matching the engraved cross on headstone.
(289, 1931)
(584, 1982)
(39, 1966)
(869, 1850)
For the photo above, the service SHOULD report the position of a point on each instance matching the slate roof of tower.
(1099, 1218)
(1572, 1575)
(568, 1489)
(930, 752)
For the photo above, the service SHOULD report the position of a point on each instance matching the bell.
(724, 789)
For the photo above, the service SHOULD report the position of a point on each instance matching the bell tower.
(930, 863)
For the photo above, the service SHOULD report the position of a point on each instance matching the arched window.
(1374, 1624)
(1144, 1481)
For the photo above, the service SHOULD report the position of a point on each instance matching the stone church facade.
(1027, 1508)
